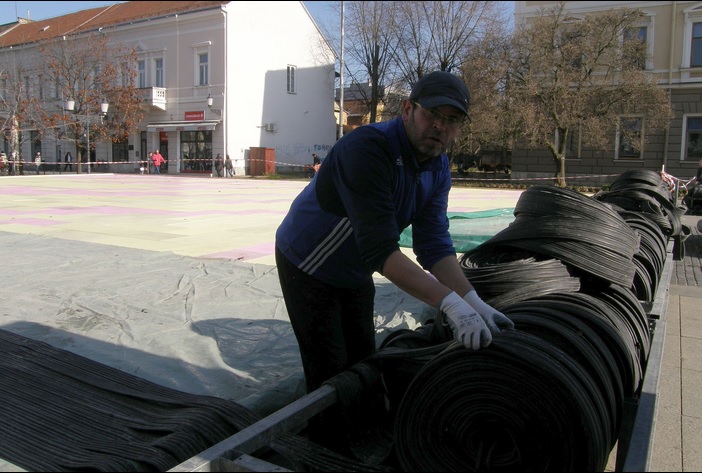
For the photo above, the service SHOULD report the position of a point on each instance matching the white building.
(265, 66)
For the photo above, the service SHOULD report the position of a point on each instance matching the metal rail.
(262, 433)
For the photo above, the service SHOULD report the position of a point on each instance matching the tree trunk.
(559, 161)
(15, 146)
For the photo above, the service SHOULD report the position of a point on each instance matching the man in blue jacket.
(346, 225)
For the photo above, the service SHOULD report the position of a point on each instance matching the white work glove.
(467, 325)
(496, 321)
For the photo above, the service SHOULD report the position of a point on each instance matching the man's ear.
(406, 109)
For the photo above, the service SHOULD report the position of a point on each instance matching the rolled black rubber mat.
(502, 282)
(493, 414)
(589, 236)
(644, 191)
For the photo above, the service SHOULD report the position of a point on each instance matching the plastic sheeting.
(470, 229)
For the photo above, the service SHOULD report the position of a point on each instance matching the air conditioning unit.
(272, 127)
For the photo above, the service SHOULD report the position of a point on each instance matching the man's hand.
(467, 325)
(496, 321)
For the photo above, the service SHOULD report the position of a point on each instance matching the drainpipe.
(224, 89)
(341, 77)
(670, 79)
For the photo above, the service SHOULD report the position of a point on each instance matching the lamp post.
(70, 106)
(218, 111)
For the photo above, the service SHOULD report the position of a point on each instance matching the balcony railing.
(154, 97)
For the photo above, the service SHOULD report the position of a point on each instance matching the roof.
(28, 31)
(357, 91)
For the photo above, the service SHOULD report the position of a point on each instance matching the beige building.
(673, 34)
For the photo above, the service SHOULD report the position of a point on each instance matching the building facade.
(218, 77)
(673, 35)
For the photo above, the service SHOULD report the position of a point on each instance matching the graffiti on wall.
(299, 154)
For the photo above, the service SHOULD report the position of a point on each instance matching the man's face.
(431, 131)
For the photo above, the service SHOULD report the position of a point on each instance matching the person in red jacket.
(157, 160)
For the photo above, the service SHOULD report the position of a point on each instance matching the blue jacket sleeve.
(431, 240)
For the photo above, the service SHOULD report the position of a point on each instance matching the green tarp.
(470, 229)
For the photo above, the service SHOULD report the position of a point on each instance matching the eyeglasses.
(453, 122)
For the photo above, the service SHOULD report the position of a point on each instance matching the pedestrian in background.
(68, 162)
(229, 166)
(37, 162)
(219, 165)
(157, 160)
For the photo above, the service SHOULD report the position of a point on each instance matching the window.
(696, 45)
(692, 40)
(158, 68)
(291, 79)
(630, 138)
(693, 138)
(572, 145)
(120, 151)
(35, 136)
(203, 69)
(196, 148)
(57, 87)
(141, 74)
(3, 88)
(567, 42)
(201, 62)
(635, 47)
(97, 83)
(124, 72)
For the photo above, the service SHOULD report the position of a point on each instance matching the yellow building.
(673, 35)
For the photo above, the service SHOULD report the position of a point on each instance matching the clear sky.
(325, 13)
(9, 11)
(322, 11)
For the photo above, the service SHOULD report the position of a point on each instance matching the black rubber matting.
(63, 412)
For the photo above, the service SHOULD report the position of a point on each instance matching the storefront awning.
(183, 126)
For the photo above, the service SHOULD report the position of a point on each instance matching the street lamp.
(218, 111)
(210, 101)
(71, 105)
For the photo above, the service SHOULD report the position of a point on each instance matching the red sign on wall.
(163, 137)
(193, 116)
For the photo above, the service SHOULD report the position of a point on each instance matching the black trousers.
(334, 330)
(333, 326)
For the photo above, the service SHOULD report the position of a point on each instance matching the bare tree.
(436, 35)
(14, 103)
(369, 27)
(392, 44)
(89, 71)
(485, 70)
(581, 75)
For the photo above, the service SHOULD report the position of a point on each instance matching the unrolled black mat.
(63, 412)
(60, 411)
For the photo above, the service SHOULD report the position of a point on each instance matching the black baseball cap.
(441, 88)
